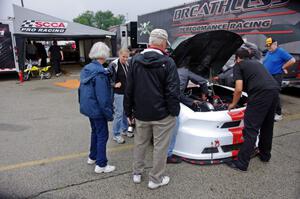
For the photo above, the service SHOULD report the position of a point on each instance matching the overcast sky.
(69, 9)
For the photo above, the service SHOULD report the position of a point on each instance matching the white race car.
(210, 134)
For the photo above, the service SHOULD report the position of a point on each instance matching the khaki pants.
(161, 131)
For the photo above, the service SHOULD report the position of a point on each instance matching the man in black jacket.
(152, 98)
(252, 77)
(56, 56)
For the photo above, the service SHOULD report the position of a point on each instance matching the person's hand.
(216, 78)
(130, 120)
(285, 71)
(231, 106)
(118, 85)
(196, 103)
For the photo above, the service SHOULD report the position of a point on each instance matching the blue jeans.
(99, 137)
(120, 123)
(173, 138)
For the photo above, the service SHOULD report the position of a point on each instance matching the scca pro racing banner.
(43, 26)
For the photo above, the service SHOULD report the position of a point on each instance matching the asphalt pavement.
(45, 141)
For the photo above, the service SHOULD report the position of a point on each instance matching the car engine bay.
(218, 98)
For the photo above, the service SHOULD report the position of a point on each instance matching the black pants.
(278, 79)
(56, 65)
(43, 61)
(259, 119)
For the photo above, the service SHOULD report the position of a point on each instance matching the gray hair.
(156, 41)
(158, 37)
(99, 50)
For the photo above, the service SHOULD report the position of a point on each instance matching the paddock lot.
(44, 144)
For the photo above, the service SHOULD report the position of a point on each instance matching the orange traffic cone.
(21, 77)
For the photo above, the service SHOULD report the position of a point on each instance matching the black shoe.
(233, 165)
(255, 153)
(174, 159)
(264, 158)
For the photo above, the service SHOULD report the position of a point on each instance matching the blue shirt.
(274, 61)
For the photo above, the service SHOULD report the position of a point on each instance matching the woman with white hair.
(95, 101)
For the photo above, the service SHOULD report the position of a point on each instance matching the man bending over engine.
(185, 75)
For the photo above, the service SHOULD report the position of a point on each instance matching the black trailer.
(253, 20)
(7, 48)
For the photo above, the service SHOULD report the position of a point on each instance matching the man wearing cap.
(152, 98)
(277, 61)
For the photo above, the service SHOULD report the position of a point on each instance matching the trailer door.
(7, 62)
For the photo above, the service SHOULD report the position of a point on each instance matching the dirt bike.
(32, 70)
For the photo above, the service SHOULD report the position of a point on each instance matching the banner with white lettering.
(254, 19)
(36, 26)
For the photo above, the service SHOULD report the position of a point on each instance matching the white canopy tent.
(72, 29)
(33, 25)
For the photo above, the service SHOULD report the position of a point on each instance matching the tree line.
(100, 19)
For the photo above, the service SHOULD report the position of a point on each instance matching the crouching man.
(252, 77)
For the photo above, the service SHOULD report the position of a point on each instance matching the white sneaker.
(119, 139)
(124, 133)
(90, 161)
(277, 117)
(165, 181)
(106, 169)
(137, 178)
(130, 135)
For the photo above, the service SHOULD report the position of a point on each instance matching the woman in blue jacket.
(95, 101)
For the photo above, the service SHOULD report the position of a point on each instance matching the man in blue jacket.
(95, 101)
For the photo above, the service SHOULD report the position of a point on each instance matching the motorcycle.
(33, 70)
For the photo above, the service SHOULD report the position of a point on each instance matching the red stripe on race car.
(236, 115)
(235, 153)
(237, 138)
(237, 135)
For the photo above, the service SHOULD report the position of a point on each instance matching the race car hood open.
(206, 53)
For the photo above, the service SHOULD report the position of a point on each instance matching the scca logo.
(43, 24)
